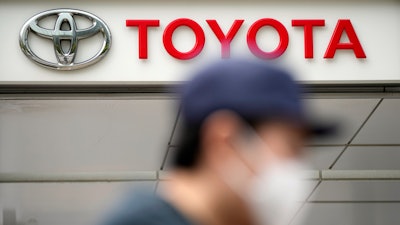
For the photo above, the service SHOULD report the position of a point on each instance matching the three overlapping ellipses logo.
(65, 59)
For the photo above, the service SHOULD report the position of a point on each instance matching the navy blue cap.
(254, 90)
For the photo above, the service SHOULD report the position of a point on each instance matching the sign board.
(161, 42)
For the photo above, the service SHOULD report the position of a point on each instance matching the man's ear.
(216, 135)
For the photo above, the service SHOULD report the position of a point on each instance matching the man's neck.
(197, 196)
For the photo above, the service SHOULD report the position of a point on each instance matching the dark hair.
(188, 150)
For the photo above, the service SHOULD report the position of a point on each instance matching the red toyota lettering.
(225, 40)
(283, 36)
(353, 44)
(142, 30)
(308, 34)
(169, 45)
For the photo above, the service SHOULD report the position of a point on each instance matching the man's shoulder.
(146, 209)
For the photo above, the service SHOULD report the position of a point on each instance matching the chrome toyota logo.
(65, 60)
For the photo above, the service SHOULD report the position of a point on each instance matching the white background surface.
(376, 24)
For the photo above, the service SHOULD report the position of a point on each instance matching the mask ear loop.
(246, 143)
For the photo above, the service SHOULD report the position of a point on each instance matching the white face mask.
(274, 195)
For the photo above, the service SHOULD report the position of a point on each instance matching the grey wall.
(131, 133)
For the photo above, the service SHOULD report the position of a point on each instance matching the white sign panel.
(160, 42)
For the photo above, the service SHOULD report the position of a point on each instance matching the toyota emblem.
(65, 60)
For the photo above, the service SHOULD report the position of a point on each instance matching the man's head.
(244, 125)
(241, 94)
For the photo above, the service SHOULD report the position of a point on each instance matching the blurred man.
(240, 154)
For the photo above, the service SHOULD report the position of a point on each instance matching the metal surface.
(65, 60)
(321, 175)
(384, 89)
(77, 177)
